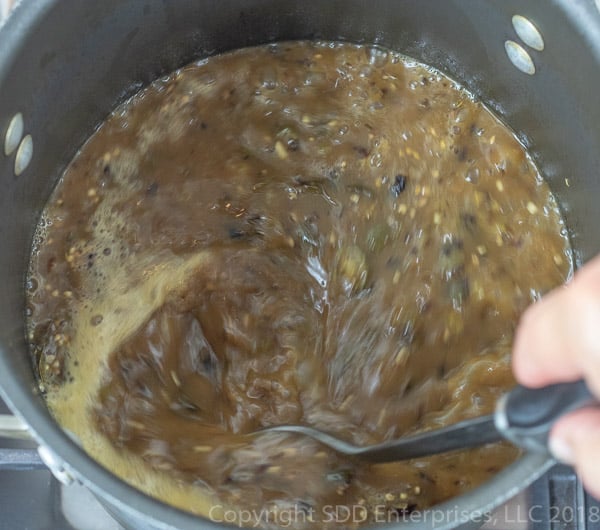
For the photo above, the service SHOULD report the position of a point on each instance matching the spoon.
(524, 417)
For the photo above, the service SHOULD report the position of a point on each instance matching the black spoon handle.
(525, 415)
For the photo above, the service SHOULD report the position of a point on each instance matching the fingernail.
(561, 450)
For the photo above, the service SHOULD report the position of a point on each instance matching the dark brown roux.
(373, 236)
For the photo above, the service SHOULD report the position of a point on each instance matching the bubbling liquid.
(316, 233)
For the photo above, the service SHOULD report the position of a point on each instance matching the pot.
(65, 64)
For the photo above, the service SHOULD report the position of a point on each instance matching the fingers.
(543, 341)
(575, 440)
(558, 338)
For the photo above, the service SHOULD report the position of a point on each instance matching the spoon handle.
(525, 415)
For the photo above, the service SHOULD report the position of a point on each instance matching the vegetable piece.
(399, 185)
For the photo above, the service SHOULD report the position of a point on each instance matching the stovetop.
(34, 500)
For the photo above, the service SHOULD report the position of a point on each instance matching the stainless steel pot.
(65, 64)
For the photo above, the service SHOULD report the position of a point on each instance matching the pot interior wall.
(66, 64)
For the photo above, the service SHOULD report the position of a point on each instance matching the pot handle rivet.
(24, 154)
(528, 33)
(519, 57)
(14, 133)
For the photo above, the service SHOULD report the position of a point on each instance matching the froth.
(130, 295)
(117, 296)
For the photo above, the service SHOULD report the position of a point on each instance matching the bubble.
(365, 72)
(32, 285)
(314, 78)
(472, 175)
(96, 320)
(376, 160)
(377, 56)
(269, 79)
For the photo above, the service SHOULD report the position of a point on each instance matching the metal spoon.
(524, 417)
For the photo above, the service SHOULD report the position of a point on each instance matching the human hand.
(558, 340)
